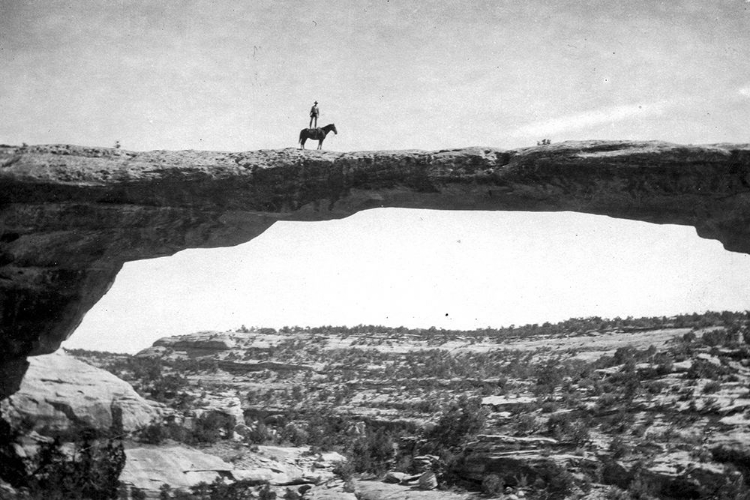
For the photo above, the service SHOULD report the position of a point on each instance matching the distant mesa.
(198, 342)
(71, 216)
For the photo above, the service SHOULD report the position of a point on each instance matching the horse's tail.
(301, 134)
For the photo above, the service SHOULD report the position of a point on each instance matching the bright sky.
(392, 74)
(421, 268)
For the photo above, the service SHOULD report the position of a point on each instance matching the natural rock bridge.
(71, 216)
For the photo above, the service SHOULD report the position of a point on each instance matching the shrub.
(461, 420)
(664, 367)
(712, 387)
(153, 434)
(492, 485)
(559, 425)
(558, 481)
(705, 369)
(137, 493)
(618, 448)
(715, 338)
(527, 423)
(219, 490)
(344, 470)
(213, 425)
(549, 407)
(91, 472)
(266, 493)
(373, 452)
(615, 493)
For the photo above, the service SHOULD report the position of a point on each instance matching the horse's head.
(333, 127)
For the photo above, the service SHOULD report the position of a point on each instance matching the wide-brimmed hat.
(316, 102)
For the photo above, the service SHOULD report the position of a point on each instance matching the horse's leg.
(320, 144)
(302, 142)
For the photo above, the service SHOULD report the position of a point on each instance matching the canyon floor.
(587, 408)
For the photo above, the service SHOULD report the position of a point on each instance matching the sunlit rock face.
(60, 393)
(71, 216)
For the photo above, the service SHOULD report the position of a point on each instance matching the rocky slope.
(71, 216)
(62, 397)
(655, 406)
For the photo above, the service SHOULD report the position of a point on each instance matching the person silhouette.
(314, 113)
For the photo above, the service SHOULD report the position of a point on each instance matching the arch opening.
(421, 269)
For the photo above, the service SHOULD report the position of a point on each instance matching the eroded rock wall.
(71, 216)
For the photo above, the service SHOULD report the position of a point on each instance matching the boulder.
(394, 477)
(428, 481)
(60, 393)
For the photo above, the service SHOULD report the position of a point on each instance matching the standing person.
(314, 113)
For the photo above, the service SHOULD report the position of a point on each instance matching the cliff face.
(71, 216)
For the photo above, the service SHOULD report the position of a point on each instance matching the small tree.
(462, 419)
(91, 472)
(492, 485)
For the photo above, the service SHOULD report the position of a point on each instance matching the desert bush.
(91, 472)
(260, 434)
(712, 387)
(460, 420)
(615, 493)
(605, 401)
(701, 368)
(212, 426)
(664, 367)
(715, 338)
(548, 376)
(344, 470)
(237, 490)
(655, 386)
(372, 452)
(640, 489)
(137, 493)
(579, 432)
(153, 434)
(549, 407)
(618, 448)
(165, 492)
(293, 434)
(735, 456)
(167, 387)
(558, 482)
(290, 494)
(492, 485)
(527, 423)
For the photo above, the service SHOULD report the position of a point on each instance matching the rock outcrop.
(148, 468)
(60, 393)
(71, 216)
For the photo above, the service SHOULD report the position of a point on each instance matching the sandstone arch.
(71, 216)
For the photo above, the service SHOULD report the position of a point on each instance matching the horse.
(317, 134)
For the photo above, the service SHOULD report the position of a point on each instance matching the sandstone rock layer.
(60, 393)
(71, 216)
